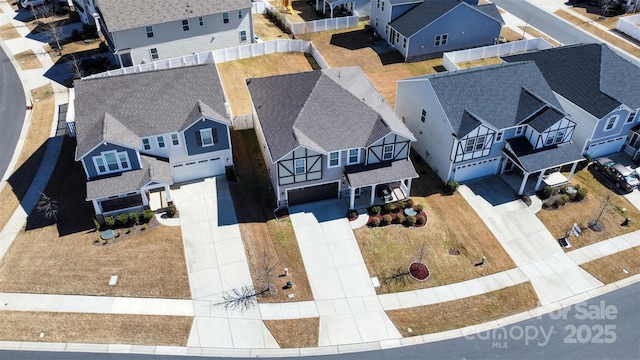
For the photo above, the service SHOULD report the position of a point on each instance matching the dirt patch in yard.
(510, 34)
(8, 32)
(616, 266)
(95, 328)
(234, 74)
(452, 243)
(295, 333)
(269, 243)
(28, 60)
(267, 30)
(464, 312)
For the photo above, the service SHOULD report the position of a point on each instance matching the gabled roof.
(124, 108)
(531, 160)
(379, 173)
(499, 95)
(129, 14)
(591, 76)
(429, 11)
(544, 118)
(325, 110)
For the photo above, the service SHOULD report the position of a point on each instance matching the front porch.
(362, 200)
(364, 180)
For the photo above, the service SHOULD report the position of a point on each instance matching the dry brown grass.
(604, 35)
(266, 30)
(76, 47)
(234, 73)
(481, 62)
(8, 32)
(532, 31)
(95, 328)
(31, 153)
(559, 221)
(350, 48)
(612, 268)
(464, 312)
(389, 249)
(296, 333)
(28, 60)
(510, 34)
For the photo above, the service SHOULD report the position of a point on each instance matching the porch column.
(96, 206)
(504, 165)
(524, 182)
(373, 195)
(120, 60)
(318, 5)
(145, 200)
(408, 187)
(539, 180)
(168, 192)
(352, 198)
(573, 170)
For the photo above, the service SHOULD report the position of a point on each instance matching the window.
(334, 159)
(387, 152)
(160, 140)
(382, 8)
(354, 156)
(240, 14)
(386, 29)
(470, 145)
(185, 25)
(441, 39)
(631, 116)
(423, 116)
(243, 35)
(378, 4)
(154, 53)
(404, 42)
(146, 144)
(175, 140)
(559, 136)
(519, 130)
(149, 30)
(225, 18)
(111, 161)
(206, 137)
(611, 123)
(201, 20)
(299, 166)
(397, 37)
(480, 142)
(376, 21)
(499, 136)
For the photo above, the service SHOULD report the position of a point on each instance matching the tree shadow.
(307, 10)
(359, 39)
(614, 10)
(428, 183)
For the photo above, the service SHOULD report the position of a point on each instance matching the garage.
(476, 169)
(606, 147)
(200, 169)
(313, 193)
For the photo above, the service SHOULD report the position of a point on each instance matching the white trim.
(164, 143)
(441, 40)
(117, 155)
(149, 143)
(349, 162)
(177, 137)
(295, 166)
(210, 133)
(613, 118)
(329, 159)
(185, 27)
(384, 151)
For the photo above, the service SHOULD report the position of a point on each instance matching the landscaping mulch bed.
(419, 271)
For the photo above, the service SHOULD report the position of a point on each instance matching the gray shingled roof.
(427, 12)
(398, 2)
(122, 109)
(153, 169)
(325, 110)
(591, 76)
(533, 160)
(545, 118)
(493, 94)
(379, 173)
(129, 14)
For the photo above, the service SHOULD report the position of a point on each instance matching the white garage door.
(606, 147)
(200, 169)
(477, 169)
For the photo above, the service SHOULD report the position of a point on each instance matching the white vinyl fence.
(450, 59)
(311, 26)
(630, 26)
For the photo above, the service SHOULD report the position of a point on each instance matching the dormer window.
(519, 130)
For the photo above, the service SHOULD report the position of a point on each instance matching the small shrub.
(171, 210)
(420, 220)
(352, 214)
(374, 222)
(103, 46)
(134, 217)
(128, 231)
(374, 210)
(399, 219)
(117, 234)
(581, 194)
(75, 34)
(400, 205)
(96, 224)
(561, 200)
(144, 227)
(147, 215)
(419, 208)
(389, 207)
(411, 220)
(386, 220)
(452, 186)
(589, 159)
(110, 220)
(123, 219)
(409, 204)
(74, 16)
(546, 192)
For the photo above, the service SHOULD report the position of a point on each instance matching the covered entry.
(370, 176)
(312, 193)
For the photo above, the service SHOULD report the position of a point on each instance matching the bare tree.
(51, 24)
(606, 7)
(48, 207)
(75, 66)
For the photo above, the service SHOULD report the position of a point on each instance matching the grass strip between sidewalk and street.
(62, 327)
(8, 32)
(295, 333)
(460, 313)
(611, 268)
(28, 60)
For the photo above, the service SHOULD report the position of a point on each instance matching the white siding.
(586, 123)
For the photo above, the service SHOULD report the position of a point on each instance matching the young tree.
(48, 207)
(51, 24)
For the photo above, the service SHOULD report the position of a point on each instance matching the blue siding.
(192, 137)
(399, 10)
(88, 159)
(465, 28)
(621, 128)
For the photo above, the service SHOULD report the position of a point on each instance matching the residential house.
(327, 134)
(142, 132)
(489, 120)
(147, 30)
(356, 7)
(420, 29)
(598, 88)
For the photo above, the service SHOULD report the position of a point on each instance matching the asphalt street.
(12, 110)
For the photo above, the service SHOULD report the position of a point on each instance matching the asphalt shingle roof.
(325, 110)
(379, 173)
(533, 160)
(129, 14)
(492, 94)
(591, 76)
(153, 169)
(545, 118)
(122, 109)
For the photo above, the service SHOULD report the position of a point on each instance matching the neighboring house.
(145, 131)
(357, 7)
(327, 134)
(599, 88)
(139, 31)
(421, 29)
(489, 120)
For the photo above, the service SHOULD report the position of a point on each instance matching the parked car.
(622, 177)
(629, 176)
